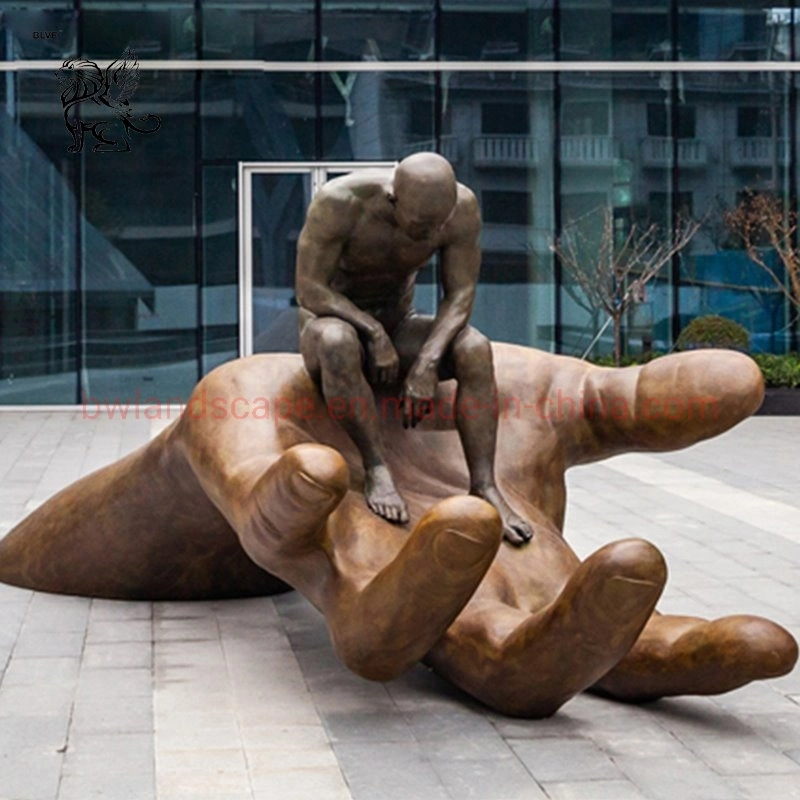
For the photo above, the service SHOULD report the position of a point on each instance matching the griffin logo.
(81, 80)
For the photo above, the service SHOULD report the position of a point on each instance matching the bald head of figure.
(424, 194)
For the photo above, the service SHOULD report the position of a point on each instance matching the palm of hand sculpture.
(521, 630)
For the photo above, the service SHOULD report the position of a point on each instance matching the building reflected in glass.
(120, 271)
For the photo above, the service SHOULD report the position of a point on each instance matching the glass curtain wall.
(118, 270)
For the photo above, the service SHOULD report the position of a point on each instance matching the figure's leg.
(333, 356)
(469, 361)
(529, 665)
(688, 655)
(473, 368)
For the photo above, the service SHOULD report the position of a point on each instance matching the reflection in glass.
(610, 163)
(157, 29)
(488, 31)
(139, 277)
(37, 278)
(255, 29)
(373, 116)
(753, 31)
(358, 30)
(279, 206)
(498, 132)
(220, 285)
(603, 29)
(36, 30)
(742, 127)
(258, 116)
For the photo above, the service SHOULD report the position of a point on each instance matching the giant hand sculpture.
(227, 503)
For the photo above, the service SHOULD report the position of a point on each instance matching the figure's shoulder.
(466, 220)
(356, 187)
(466, 198)
(341, 201)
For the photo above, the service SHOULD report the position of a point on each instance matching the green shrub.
(780, 370)
(713, 331)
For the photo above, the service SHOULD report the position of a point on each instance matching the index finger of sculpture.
(670, 403)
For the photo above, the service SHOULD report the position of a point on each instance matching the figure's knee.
(472, 353)
(337, 344)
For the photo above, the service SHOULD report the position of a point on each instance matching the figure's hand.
(384, 363)
(419, 389)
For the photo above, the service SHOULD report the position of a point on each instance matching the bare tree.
(612, 268)
(764, 224)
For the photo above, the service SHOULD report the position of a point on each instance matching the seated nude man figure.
(366, 237)
(227, 503)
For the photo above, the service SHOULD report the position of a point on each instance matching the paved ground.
(243, 700)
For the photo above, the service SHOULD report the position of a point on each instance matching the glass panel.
(713, 30)
(379, 116)
(616, 182)
(220, 298)
(501, 127)
(614, 30)
(38, 217)
(37, 30)
(282, 31)
(480, 30)
(353, 30)
(258, 116)
(156, 29)
(742, 121)
(279, 204)
(139, 275)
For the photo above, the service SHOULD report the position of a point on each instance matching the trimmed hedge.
(713, 331)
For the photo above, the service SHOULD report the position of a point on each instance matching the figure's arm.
(460, 266)
(319, 249)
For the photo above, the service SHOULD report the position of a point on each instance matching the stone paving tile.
(389, 770)
(108, 765)
(686, 778)
(768, 787)
(593, 790)
(551, 760)
(30, 776)
(486, 779)
(116, 655)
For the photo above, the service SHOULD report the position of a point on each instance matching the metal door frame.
(318, 170)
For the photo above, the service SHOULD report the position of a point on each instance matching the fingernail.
(309, 489)
(458, 550)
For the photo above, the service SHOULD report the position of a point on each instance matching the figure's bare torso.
(379, 263)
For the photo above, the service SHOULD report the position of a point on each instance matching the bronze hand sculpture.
(226, 502)
(365, 238)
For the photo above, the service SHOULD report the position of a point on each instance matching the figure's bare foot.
(516, 530)
(382, 496)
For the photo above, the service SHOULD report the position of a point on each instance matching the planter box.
(780, 401)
